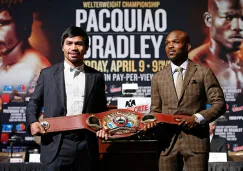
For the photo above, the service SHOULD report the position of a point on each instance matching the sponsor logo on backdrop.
(31, 89)
(236, 108)
(238, 148)
(114, 89)
(7, 127)
(5, 98)
(29, 138)
(7, 89)
(233, 118)
(141, 108)
(130, 103)
(20, 128)
(4, 138)
(27, 99)
(21, 89)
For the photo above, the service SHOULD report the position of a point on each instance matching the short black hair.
(75, 31)
(185, 35)
(22, 15)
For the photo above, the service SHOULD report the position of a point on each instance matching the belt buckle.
(117, 122)
(121, 122)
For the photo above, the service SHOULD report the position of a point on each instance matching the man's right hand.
(36, 128)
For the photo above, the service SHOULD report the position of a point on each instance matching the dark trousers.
(73, 155)
(180, 155)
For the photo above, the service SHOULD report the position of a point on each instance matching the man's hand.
(102, 134)
(188, 123)
(1, 104)
(149, 125)
(36, 128)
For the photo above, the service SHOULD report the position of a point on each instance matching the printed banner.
(137, 104)
(126, 44)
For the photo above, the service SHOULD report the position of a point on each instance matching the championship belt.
(118, 122)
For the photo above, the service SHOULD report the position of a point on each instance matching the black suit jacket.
(50, 93)
(218, 144)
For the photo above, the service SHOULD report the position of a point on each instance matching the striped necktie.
(179, 82)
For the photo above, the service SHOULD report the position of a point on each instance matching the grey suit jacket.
(200, 87)
(50, 94)
(218, 144)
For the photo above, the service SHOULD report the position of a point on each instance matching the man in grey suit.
(184, 87)
(65, 89)
(217, 143)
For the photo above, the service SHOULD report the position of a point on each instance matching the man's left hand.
(102, 134)
(188, 123)
(149, 125)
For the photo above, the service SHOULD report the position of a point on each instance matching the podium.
(129, 155)
(136, 153)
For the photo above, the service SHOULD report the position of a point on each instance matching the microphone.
(15, 138)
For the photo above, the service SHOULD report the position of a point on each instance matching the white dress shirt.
(211, 137)
(175, 73)
(200, 118)
(75, 87)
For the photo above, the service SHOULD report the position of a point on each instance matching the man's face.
(175, 46)
(227, 23)
(211, 128)
(8, 33)
(74, 49)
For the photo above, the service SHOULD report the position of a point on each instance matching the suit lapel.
(191, 68)
(59, 82)
(89, 85)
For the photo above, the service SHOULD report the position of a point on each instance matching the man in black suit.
(65, 89)
(217, 143)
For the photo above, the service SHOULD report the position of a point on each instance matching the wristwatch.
(198, 121)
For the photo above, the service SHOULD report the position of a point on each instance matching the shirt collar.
(174, 67)
(70, 68)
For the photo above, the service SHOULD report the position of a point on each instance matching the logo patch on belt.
(94, 122)
(121, 122)
(45, 125)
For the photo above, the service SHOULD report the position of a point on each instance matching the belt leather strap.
(118, 122)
